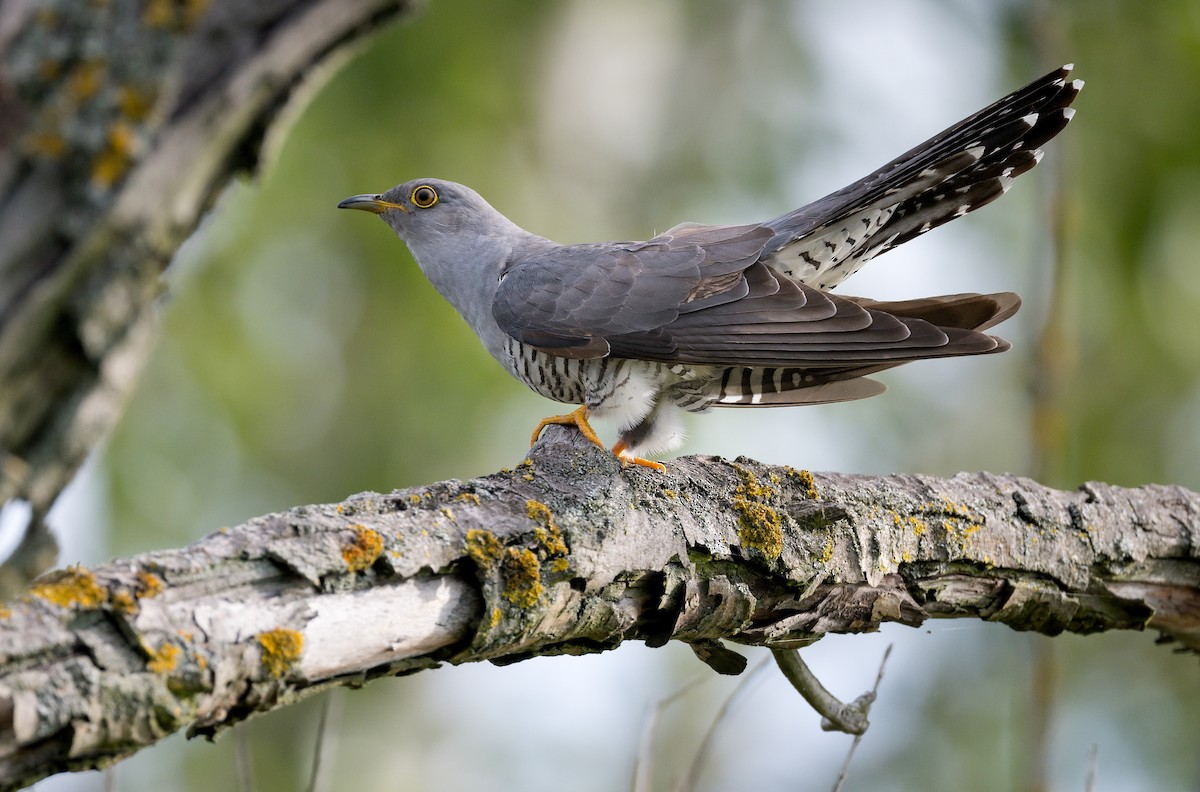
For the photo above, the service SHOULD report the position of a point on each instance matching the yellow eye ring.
(424, 197)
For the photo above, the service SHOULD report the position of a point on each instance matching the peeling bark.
(566, 554)
(120, 123)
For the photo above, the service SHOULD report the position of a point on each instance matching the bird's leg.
(578, 419)
(621, 451)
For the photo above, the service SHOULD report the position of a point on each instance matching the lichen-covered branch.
(119, 124)
(567, 553)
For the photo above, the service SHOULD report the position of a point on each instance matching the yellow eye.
(424, 197)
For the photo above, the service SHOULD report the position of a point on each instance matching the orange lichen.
(917, 525)
(158, 13)
(827, 552)
(468, 497)
(281, 648)
(760, 525)
(111, 163)
(149, 585)
(483, 547)
(164, 660)
(522, 578)
(806, 480)
(178, 15)
(85, 80)
(363, 550)
(72, 587)
(46, 144)
(123, 601)
(547, 533)
(549, 536)
(134, 103)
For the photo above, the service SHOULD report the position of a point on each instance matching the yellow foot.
(578, 419)
(621, 452)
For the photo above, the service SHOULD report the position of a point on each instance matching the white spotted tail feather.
(955, 172)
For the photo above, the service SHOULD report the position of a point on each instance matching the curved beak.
(370, 203)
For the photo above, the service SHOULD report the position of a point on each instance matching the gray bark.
(566, 554)
(120, 122)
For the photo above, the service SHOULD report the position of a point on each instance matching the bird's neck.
(470, 283)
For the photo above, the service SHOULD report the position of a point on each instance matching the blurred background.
(303, 358)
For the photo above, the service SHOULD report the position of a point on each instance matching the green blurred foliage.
(303, 357)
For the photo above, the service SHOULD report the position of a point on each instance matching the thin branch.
(643, 769)
(688, 782)
(324, 751)
(564, 555)
(835, 714)
(845, 771)
(1089, 784)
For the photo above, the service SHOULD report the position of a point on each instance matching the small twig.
(241, 758)
(331, 713)
(643, 767)
(688, 782)
(841, 779)
(1089, 784)
(835, 716)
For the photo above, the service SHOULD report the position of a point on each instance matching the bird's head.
(422, 210)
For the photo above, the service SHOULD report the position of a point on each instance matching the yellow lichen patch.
(72, 587)
(158, 13)
(527, 466)
(111, 163)
(548, 533)
(173, 14)
(522, 578)
(670, 493)
(85, 80)
(449, 515)
(560, 565)
(4, 611)
(760, 524)
(806, 481)
(134, 103)
(414, 499)
(918, 526)
(46, 144)
(123, 601)
(340, 508)
(468, 497)
(495, 618)
(280, 650)
(192, 11)
(363, 550)
(827, 552)
(164, 660)
(483, 547)
(149, 585)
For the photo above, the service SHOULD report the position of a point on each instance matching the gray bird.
(726, 316)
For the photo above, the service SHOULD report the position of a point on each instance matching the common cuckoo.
(707, 316)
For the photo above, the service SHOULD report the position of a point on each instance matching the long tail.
(955, 172)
